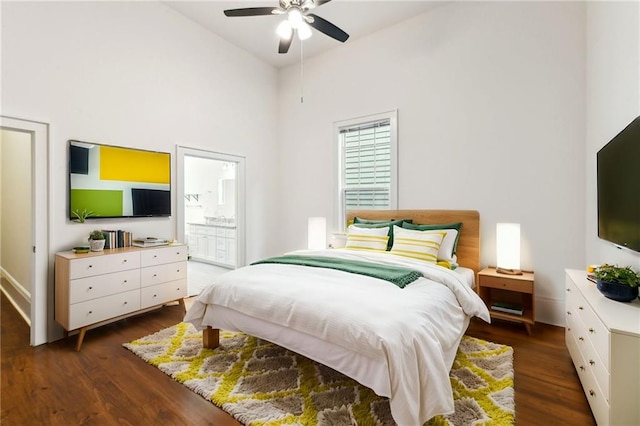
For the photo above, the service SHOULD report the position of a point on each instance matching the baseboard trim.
(17, 295)
(550, 311)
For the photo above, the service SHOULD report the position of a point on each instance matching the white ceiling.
(256, 34)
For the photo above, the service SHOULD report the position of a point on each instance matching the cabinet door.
(211, 247)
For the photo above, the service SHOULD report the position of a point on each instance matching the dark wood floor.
(107, 384)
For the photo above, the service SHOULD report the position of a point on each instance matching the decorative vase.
(615, 291)
(96, 245)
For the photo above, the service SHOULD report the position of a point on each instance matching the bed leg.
(210, 338)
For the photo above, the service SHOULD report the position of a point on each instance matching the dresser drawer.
(158, 256)
(103, 285)
(162, 293)
(590, 357)
(507, 284)
(154, 275)
(104, 308)
(594, 329)
(98, 265)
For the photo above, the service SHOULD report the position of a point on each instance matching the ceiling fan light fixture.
(284, 30)
(304, 31)
(295, 17)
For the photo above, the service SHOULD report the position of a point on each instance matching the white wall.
(491, 107)
(15, 216)
(613, 101)
(139, 74)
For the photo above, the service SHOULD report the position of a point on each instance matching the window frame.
(392, 117)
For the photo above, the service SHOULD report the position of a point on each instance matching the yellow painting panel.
(134, 165)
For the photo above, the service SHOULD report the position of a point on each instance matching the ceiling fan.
(298, 21)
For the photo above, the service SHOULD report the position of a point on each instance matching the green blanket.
(395, 274)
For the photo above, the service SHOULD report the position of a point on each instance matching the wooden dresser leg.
(81, 334)
(528, 327)
(181, 303)
(210, 338)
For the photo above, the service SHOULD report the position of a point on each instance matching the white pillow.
(371, 239)
(420, 245)
(445, 252)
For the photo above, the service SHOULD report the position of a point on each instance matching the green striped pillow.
(370, 239)
(417, 244)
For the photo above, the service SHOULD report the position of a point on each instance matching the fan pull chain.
(301, 73)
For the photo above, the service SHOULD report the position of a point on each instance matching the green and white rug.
(260, 383)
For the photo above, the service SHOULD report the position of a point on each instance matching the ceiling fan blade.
(251, 11)
(320, 2)
(328, 28)
(285, 44)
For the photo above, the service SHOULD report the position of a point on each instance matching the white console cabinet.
(603, 338)
(213, 243)
(99, 286)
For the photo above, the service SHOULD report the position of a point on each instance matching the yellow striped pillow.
(417, 244)
(370, 239)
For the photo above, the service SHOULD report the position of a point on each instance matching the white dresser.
(603, 338)
(98, 286)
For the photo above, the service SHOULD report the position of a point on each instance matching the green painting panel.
(103, 203)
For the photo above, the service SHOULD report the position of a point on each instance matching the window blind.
(367, 165)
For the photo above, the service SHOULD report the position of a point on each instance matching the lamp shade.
(508, 246)
(317, 233)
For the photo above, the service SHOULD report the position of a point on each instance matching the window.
(367, 157)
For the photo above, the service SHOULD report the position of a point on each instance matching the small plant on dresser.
(617, 282)
(96, 240)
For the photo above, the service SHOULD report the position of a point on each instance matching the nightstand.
(502, 292)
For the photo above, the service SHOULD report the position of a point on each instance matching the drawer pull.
(90, 312)
(178, 289)
(581, 308)
(568, 289)
(581, 338)
(177, 270)
(568, 328)
(592, 362)
(592, 392)
(125, 281)
(591, 330)
(125, 303)
(155, 275)
(582, 368)
(90, 288)
(568, 312)
(124, 261)
(155, 256)
(90, 266)
(155, 295)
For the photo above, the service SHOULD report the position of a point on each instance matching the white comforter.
(412, 331)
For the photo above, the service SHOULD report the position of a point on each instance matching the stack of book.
(117, 239)
(507, 308)
(149, 242)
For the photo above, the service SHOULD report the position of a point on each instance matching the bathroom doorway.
(210, 213)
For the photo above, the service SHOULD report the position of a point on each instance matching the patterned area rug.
(260, 383)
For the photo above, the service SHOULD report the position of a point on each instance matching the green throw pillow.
(457, 226)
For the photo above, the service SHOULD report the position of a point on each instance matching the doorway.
(210, 213)
(24, 218)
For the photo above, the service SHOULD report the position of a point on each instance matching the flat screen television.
(111, 181)
(619, 188)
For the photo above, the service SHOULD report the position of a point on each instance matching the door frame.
(183, 151)
(40, 237)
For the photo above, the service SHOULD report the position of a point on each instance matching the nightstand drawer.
(507, 283)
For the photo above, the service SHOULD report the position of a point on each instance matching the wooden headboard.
(468, 251)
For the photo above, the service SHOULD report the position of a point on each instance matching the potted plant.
(617, 282)
(96, 240)
(81, 216)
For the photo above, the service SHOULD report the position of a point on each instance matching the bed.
(400, 342)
